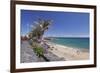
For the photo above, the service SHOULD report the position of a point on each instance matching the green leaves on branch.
(38, 29)
(38, 49)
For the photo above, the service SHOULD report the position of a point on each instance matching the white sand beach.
(68, 53)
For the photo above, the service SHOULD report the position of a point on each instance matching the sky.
(65, 24)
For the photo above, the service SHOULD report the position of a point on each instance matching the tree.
(39, 28)
(36, 34)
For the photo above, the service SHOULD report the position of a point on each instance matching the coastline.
(68, 53)
(55, 52)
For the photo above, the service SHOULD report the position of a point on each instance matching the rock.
(28, 55)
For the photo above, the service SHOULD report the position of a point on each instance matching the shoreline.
(55, 52)
(68, 53)
(65, 46)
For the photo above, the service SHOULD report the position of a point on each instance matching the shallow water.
(81, 43)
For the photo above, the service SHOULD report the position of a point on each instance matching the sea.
(80, 43)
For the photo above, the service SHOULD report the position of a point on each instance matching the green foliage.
(39, 51)
(36, 33)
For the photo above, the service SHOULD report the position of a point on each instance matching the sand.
(56, 52)
(68, 53)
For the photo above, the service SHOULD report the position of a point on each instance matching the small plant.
(39, 51)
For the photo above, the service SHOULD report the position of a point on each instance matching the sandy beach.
(68, 53)
(56, 52)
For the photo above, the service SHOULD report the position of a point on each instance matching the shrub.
(39, 51)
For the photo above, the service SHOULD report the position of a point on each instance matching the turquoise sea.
(81, 43)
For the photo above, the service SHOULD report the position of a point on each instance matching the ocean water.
(80, 43)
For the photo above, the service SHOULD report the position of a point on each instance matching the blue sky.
(65, 24)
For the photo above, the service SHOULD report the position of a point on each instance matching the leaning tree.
(39, 27)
